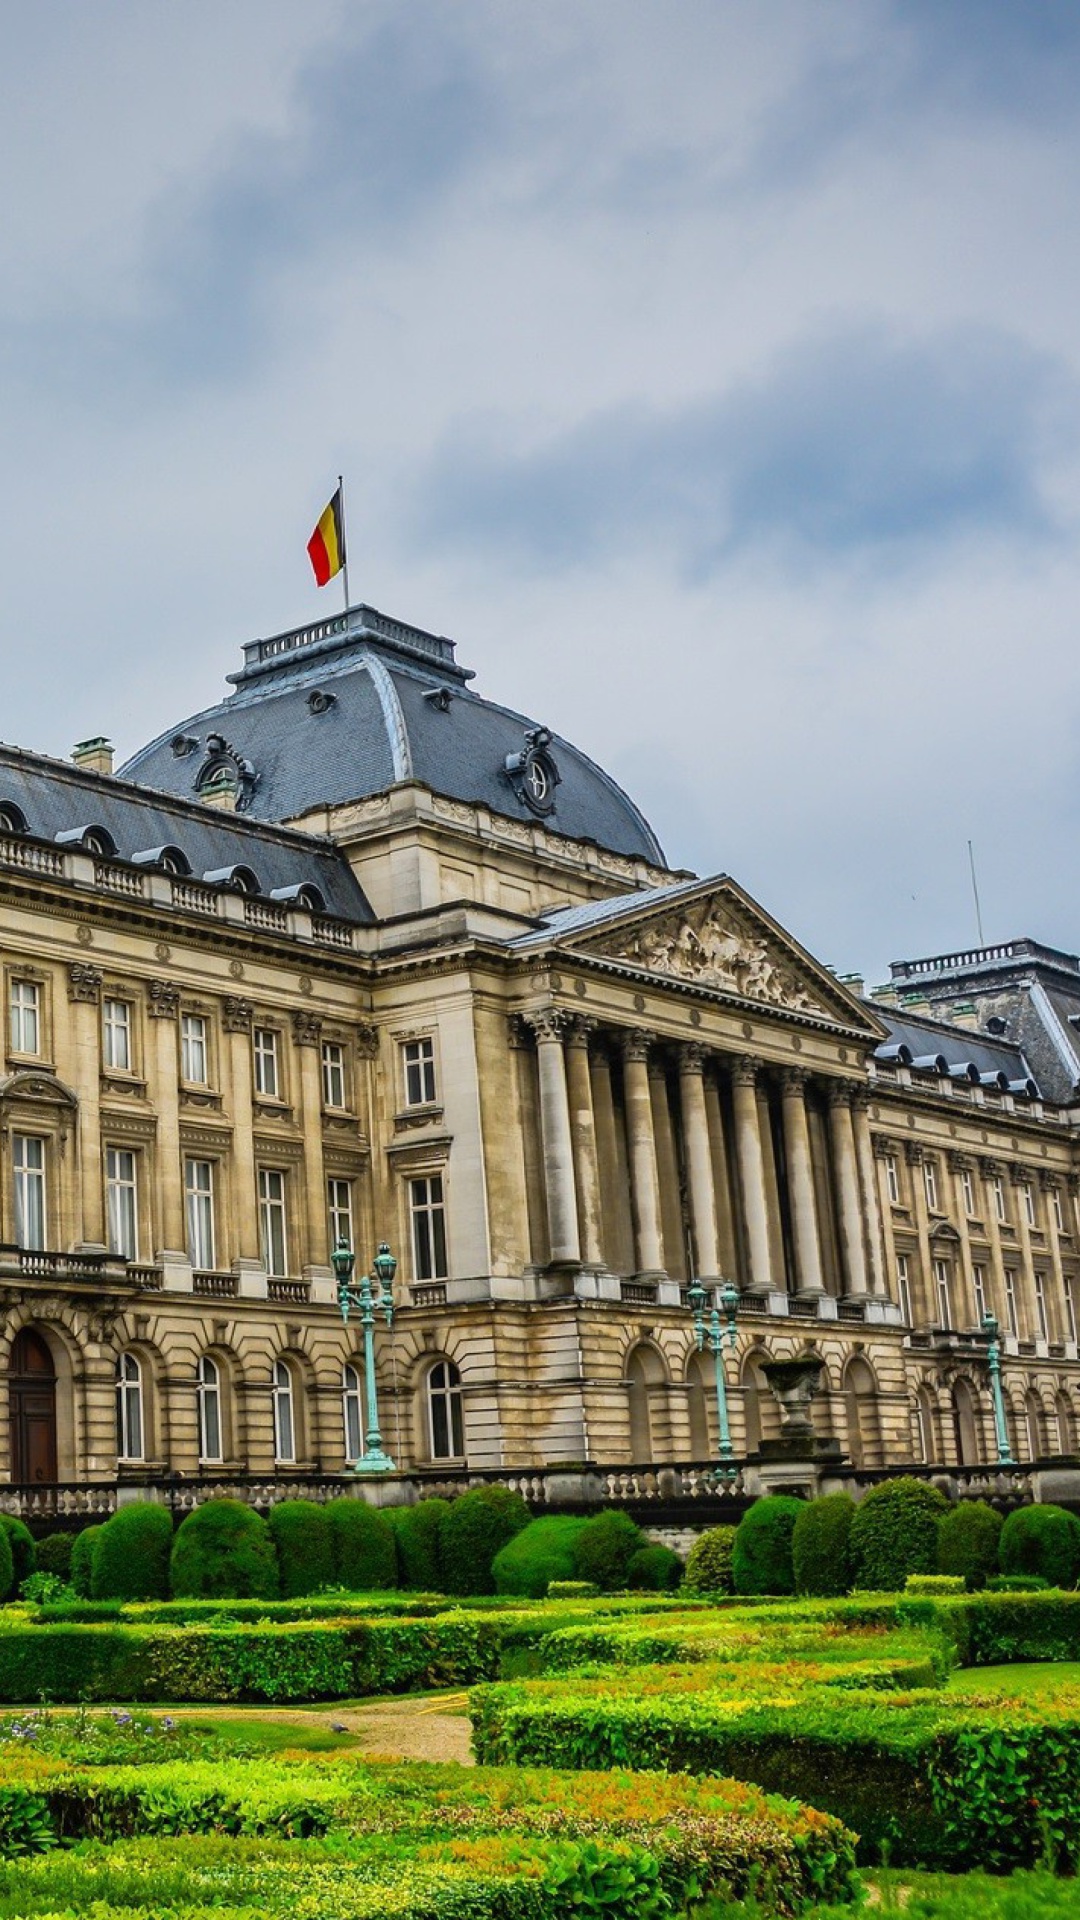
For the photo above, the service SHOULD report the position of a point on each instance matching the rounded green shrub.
(81, 1557)
(654, 1569)
(543, 1551)
(968, 1542)
(1017, 1583)
(605, 1547)
(23, 1551)
(365, 1555)
(895, 1532)
(54, 1554)
(418, 1532)
(477, 1527)
(1043, 1540)
(762, 1560)
(305, 1550)
(821, 1545)
(7, 1567)
(129, 1559)
(708, 1564)
(223, 1551)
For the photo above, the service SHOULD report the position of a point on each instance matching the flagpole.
(344, 541)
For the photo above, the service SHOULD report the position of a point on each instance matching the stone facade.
(562, 1081)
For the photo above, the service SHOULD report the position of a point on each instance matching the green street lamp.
(370, 1296)
(716, 1333)
(993, 1361)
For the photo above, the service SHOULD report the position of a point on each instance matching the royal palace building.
(357, 955)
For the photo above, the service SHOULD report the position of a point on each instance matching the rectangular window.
(428, 1212)
(1059, 1211)
(121, 1197)
(199, 1198)
(941, 1284)
(267, 1076)
(1041, 1321)
(967, 1188)
(25, 1017)
(272, 1220)
(333, 1074)
(1012, 1318)
(116, 1035)
(978, 1288)
(998, 1186)
(1070, 1308)
(419, 1057)
(892, 1180)
(28, 1162)
(930, 1182)
(194, 1061)
(339, 1207)
(1029, 1203)
(903, 1288)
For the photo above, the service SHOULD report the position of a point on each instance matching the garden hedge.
(417, 1532)
(654, 1569)
(605, 1547)
(762, 1559)
(476, 1528)
(23, 1552)
(968, 1542)
(1044, 1540)
(7, 1566)
(300, 1530)
(543, 1551)
(895, 1532)
(365, 1554)
(82, 1553)
(821, 1545)
(129, 1556)
(54, 1554)
(708, 1564)
(223, 1548)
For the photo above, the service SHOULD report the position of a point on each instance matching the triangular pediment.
(712, 936)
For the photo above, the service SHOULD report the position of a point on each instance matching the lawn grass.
(1034, 1677)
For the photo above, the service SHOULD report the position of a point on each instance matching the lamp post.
(993, 1361)
(370, 1296)
(716, 1333)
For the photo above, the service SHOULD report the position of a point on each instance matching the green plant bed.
(1047, 1678)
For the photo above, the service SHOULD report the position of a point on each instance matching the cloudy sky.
(708, 369)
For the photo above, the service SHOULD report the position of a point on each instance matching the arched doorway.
(860, 1407)
(645, 1376)
(32, 1405)
(965, 1420)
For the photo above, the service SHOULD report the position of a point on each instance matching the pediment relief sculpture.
(708, 947)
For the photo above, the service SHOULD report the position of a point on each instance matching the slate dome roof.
(350, 706)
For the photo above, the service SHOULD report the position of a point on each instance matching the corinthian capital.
(579, 1029)
(636, 1043)
(163, 1000)
(547, 1023)
(745, 1069)
(692, 1057)
(84, 982)
(793, 1082)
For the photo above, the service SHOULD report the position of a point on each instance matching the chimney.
(222, 790)
(854, 982)
(95, 756)
(964, 1014)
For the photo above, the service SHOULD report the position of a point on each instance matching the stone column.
(163, 1005)
(1049, 1184)
(644, 1184)
(236, 1019)
(808, 1275)
(727, 1240)
(751, 1173)
(697, 1146)
(672, 1226)
(618, 1245)
(583, 1134)
(307, 1039)
(864, 1154)
(846, 1171)
(84, 992)
(556, 1134)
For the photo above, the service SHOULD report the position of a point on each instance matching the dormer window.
(166, 859)
(93, 839)
(12, 818)
(237, 879)
(533, 772)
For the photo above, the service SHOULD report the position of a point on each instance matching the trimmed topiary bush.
(305, 1549)
(543, 1551)
(418, 1532)
(654, 1569)
(968, 1542)
(1043, 1540)
(129, 1559)
(23, 1552)
(895, 1532)
(1017, 1583)
(930, 1584)
(224, 1550)
(708, 1564)
(821, 1545)
(7, 1567)
(365, 1554)
(476, 1528)
(54, 1554)
(762, 1560)
(81, 1556)
(572, 1590)
(605, 1547)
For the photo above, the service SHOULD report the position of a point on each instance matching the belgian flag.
(326, 548)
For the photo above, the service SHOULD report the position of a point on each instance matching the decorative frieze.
(84, 982)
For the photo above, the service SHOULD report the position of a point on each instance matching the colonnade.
(721, 1176)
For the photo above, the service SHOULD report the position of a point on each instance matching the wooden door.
(32, 1401)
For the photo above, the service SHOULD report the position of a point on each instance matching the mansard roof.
(913, 1040)
(331, 713)
(60, 802)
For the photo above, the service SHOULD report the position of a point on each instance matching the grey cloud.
(856, 444)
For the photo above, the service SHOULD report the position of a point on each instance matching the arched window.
(130, 1427)
(922, 1426)
(965, 1424)
(352, 1413)
(1033, 1424)
(861, 1410)
(445, 1425)
(284, 1416)
(209, 1397)
(1066, 1425)
(644, 1378)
